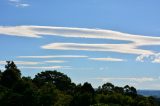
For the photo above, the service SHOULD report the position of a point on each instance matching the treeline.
(52, 88)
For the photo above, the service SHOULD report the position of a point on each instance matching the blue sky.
(89, 40)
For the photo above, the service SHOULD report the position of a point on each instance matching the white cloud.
(36, 31)
(157, 60)
(19, 3)
(103, 68)
(46, 67)
(132, 47)
(131, 79)
(55, 61)
(21, 63)
(154, 58)
(22, 5)
(107, 59)
(120, 48)
(55, 56)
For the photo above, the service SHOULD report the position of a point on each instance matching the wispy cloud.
(54, 56)
(103, 68)
(21, 63)
(107, 59)
(33, 63)
(19, 3)
(120, 48)
(131, 79)
(55, 61)
(154, 58)
(37, 31)
(135, 41)
(23, 5)
(46, 67)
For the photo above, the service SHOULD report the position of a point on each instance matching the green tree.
(60, 80)
(0, 75)
(63, 100)
(118, 89)
(11, 74)
(84, 95)
(82, 99)
(130, 90)
(107, 88)
(47, 95)
(87, 87)
(26, 88)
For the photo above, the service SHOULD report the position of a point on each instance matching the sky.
(94, 41)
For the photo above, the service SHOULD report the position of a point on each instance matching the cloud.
(120, 48)
(131, 79)
(46, 67)
(19, 3)
(154, 58)
(55, 56)
(132, 47)
(55, 61)
(37, 31)
(34, 65)
(21, 63)
(22, 5)
(103, 68)
(107, 59)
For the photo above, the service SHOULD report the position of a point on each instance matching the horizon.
(88, 40)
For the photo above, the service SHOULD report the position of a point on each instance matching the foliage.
(11, 75)
(52, 88)
(60, 80)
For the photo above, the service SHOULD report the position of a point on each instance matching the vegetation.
(52, 88)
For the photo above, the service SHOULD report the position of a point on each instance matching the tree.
(47, 95)
(63, 100)
(0, 75)
(82, 99)
(127, 89)
(107, 87)
(60, 80)
(87, 87)
(11, 74)
(130, 90)
(84, 95)
(118, 89)
(133, 90)
(27, 89)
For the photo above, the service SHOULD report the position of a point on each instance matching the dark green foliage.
(84, 95)
(82, 99)
(52, 88)
(47, 95)
(63, 100)
(0, 74)
(130, 90)
(107, 88)
(118, 89)
(87, 87)
(61, 81)
(11, 75)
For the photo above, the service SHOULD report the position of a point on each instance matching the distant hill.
(155, 93)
